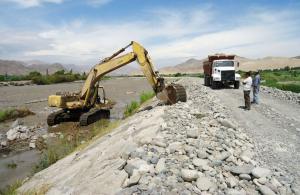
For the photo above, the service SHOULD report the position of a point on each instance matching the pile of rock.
(284, 95)
(4, 84)
(19, 132)
(16, 83)
(199, 150)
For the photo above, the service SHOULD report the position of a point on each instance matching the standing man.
(256, 86)
(247, 83)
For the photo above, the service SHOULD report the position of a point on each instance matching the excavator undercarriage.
(89, 106)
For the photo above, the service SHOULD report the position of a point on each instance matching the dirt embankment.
(197, 147)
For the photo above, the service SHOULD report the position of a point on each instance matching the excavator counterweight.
(88, 106)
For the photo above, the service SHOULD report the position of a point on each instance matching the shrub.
(11, 189)
(14, 113)
(131, 108)
(146, 96)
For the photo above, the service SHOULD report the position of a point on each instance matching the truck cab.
(220, 70)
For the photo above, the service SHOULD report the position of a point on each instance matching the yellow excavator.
(88, 106)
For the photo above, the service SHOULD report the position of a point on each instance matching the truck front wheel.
(214, 85)
(236, 84)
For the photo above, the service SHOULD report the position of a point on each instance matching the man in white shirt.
(247, 84)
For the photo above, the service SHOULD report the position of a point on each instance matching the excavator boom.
(140, 54)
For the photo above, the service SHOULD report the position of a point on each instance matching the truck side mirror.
(238, 64)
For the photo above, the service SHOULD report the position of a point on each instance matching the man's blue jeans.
(255, 94)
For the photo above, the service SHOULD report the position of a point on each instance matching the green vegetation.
(134, 105)
(74, 139)
(146, 96)
(11, 165)
(39, 79)
(14, 113)
(11, 189)
(200, 75)
(287, 79)
(131, 108)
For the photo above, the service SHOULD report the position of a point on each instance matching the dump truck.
(90, 104)
(220, 70)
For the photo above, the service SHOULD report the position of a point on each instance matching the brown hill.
(189, 66)
(21, 68)
(195, 66)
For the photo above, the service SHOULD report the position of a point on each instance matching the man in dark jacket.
(256, 86)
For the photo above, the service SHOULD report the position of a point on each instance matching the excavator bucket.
(172, 94)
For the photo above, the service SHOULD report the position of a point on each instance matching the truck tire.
(206, 81)
(236, 84)
(214, 84)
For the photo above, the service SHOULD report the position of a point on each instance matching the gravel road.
(274, 125)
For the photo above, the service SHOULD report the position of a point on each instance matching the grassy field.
(286, 79)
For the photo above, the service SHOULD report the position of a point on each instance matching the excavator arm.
(170, 94)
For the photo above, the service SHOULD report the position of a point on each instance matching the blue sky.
(82, 32)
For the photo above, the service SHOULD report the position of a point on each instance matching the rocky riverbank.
(186, 148)
(283, 95)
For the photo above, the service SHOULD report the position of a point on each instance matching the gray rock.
(202, 154)
(154, 159)
(161, 165)
(204, 183)
(265, 190)
(232, 181)
(134, 164)
(199, 162)
(175, 146)
(259, 172)
(12, 134)
(235, 192)
(3, 143)
(262, 180)
(16, 123)
(32, 145)
(275, 182)
(245, 176)
(192, 133)
(189, 175)
(243, 169)
(24, 136)
(134, 179)
(223, 156)
(227, 123)
(159, 143)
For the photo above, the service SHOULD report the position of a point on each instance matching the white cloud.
(98, 2)
(168, 35)
(33, 3)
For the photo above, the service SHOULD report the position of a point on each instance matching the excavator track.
(93, 115)
(53, 117)
(62, 116)
(176, 93)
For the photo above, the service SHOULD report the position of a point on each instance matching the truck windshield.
(223, 64)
